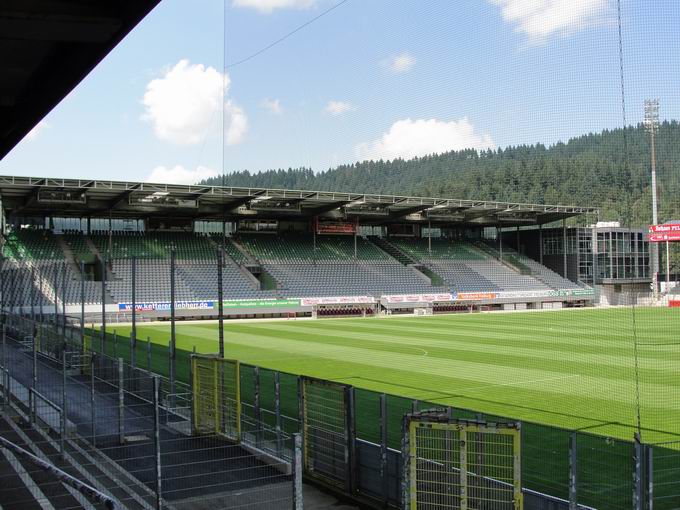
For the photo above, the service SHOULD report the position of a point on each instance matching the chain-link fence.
(561, 468)
(352, 436)
(128, 431)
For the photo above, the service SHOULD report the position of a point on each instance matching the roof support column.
(110, 234)
(540, 243)
(173, 339)
(314, 225)
(636, 256)
(500, 241)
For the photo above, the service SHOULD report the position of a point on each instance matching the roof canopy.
(47, 47)
(33, 196)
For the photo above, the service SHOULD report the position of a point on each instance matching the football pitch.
(574, 369)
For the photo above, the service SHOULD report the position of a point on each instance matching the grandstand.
(311, 248)
(304, 267)
(477, 267)
(300, 267)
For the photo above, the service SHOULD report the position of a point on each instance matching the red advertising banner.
(663, 233)
(335, 228)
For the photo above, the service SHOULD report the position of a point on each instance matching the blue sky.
(371, 79)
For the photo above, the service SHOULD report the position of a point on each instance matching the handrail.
(44, 399)
(63, 476)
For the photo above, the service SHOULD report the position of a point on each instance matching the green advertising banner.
(260, 303)
(583, 292)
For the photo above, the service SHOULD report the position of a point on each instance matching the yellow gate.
(216, 398)
(461, 465)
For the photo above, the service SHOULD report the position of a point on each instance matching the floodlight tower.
(652, 126)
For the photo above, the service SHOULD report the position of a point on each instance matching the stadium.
(138, 271)
(190, 346)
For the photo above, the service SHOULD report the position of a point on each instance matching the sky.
(360, 79)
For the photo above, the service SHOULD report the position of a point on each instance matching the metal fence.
(358, 433)
(127, 431)
(460, 464)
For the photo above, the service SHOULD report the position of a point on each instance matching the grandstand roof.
(40, 196)
(48, 47)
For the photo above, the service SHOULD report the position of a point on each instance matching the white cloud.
(237, 124)
(408, 139)
(37, 129)
(180, 175)
(338, 107)
(273, 105)
(267, 6)
(539, 19)
(184, 103)
(401, 63)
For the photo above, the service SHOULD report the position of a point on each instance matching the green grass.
(569, 369)
(572, 369)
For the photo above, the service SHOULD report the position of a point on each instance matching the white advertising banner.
(416, 298)
(337, 300)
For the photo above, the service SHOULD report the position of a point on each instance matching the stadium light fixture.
(651, 124)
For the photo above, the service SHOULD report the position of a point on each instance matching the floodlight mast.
(651, 124)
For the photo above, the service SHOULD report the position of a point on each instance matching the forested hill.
(591, 170)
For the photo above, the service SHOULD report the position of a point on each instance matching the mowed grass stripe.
(589, 344)
(479, 374)
(453, 348)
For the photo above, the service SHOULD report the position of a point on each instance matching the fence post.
(32, 295)
(5, 369)
(115, 344)
(383, 448)
(350, 456)
(414, 406)
(220, 302)
(256, 405)
(277, 410)
(192, 396)
(148, 354)
(56, 300)
(171, 350)
(62, 436)
(35, 361)
(103, 302)
(63, 300)
(463, 456)
(649, 454)
(82, 307)
(297, 472)
(133, 332)
(573, 472)
(157, 443)
(133, 368)
(121, 403)
(31, 406)
(301, 410)
(93, 409)
(638, 484)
